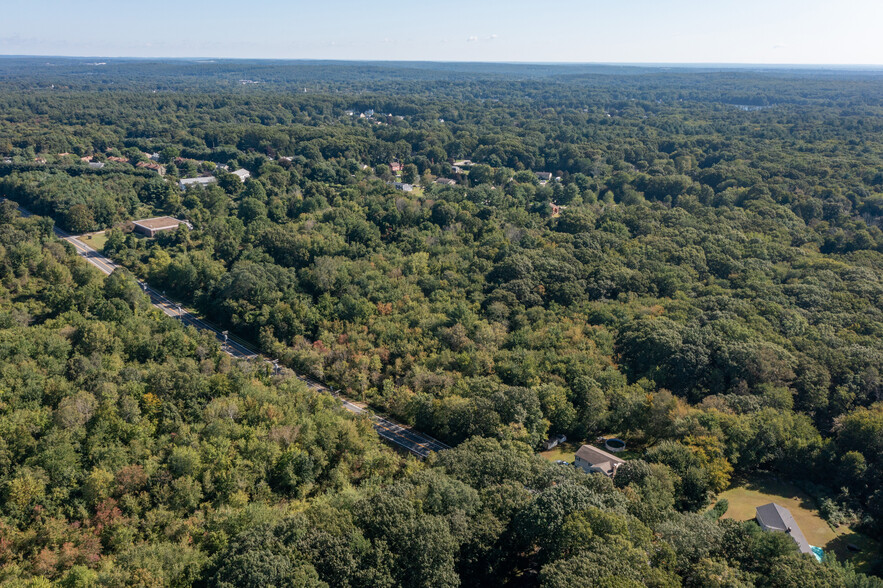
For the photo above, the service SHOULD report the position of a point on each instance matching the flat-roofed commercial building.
(152, 226)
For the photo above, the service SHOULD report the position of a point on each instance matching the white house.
(242, 174)
(203, 181)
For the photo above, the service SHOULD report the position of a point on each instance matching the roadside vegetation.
(703, 279)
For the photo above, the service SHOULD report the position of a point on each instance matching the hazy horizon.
(661, 64)
(640, 32)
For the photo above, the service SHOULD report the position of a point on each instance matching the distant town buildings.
(152, 166)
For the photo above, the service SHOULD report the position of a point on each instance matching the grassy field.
(564, 452)
(745, 498)
(95, 240)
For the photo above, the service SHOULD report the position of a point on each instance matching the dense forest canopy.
(700, 274)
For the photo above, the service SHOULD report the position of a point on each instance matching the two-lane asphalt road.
(399, 435)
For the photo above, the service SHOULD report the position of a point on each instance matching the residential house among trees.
(242, 174)
(596, 461)
(203, 181)
(152, 166)
(772, 517)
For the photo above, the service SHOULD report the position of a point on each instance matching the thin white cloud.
(471, 39)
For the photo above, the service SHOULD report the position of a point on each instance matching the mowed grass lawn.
(565, 452)
(745, 498)
(95, 240)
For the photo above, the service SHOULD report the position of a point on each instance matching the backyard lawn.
(565, 452)
(745, 498)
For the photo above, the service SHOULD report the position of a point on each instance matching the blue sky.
(642, 31)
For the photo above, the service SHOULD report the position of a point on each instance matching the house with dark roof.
(596, 461)
(544, 176)
(772, 517)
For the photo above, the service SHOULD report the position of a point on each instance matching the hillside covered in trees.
(701, 275)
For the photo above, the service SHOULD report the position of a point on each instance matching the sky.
(583, 31)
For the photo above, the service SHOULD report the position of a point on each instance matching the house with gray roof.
(596, 461)
(772, 517)
(202, 181)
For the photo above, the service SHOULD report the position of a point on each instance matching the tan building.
(152, 226)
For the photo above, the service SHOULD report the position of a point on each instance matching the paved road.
(404, 437)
